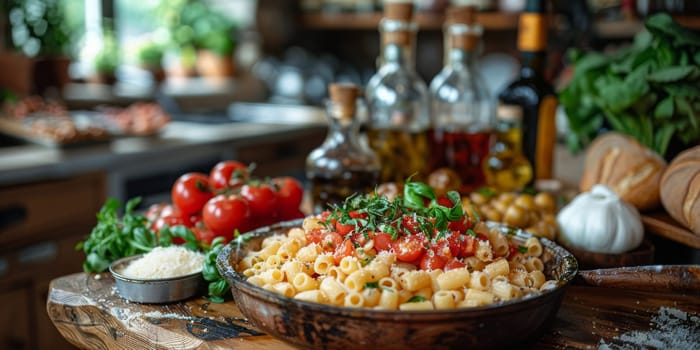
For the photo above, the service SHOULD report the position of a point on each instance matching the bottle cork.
(398, 10)
(344, 95)
(461, 15)
(464, 41)
(509, 112)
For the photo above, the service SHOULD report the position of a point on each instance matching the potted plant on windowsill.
(215, 56)
(42, 42)
(149, 57)
(106, 60)
(195, 28)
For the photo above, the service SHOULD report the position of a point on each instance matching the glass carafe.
(343, 164)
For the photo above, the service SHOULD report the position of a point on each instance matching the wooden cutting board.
(87, 310)
(662, 224)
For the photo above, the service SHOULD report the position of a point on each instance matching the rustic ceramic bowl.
(155, 291)
(318, 326)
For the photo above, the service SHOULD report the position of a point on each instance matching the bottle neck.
(461, 57)
(532, 38)
(398, 42)
(532, 63)
(396, 54)
(343, 126)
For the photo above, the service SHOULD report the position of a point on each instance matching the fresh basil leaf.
(662, 138)
(664, 109)
(218, 288)
(673, 74)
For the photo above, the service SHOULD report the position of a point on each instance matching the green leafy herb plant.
(649, 90)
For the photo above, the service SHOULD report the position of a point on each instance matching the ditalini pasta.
(382, 254)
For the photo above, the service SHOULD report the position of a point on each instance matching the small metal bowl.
(155, 291)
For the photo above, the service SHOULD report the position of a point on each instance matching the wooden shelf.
(629, 27)
(490, 20)
(426, 21)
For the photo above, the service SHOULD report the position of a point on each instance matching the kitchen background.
(214, 63)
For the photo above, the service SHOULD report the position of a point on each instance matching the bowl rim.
(235, 278)
(115, 265)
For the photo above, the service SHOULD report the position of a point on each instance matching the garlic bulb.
(599, 221)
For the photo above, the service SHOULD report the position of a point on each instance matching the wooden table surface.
(87, 310)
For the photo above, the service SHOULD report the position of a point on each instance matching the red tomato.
(315, 236)
(410, 224)
(408, 248)
(469, 247)
(512, 250)
(289, 195)
(228, 174)
(382, 241)
(432, 261)
(357, 215)
(444, 201)
(343, 229)
(443, 248)
(331, 241)
(461, 225)
(456, 243)
(190, 193)
(261, 199)
(203, 234)
(362, 238)
(345, 248)
(224, 214)
(454, 264)
(154, 211)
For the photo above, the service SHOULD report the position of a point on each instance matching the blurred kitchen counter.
(134, 164)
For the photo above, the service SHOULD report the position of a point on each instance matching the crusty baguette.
(680, 189)
(691, 207)
(627, 167)
(674, 186)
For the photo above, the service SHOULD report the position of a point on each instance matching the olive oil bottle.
(397, 99)
(342, 165)
(532, 93)
(462, 108)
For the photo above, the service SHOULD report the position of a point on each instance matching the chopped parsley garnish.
(417, 299)
(376, 213)
(372, 285)
(522, 249)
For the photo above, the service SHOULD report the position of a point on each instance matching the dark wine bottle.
(532, 92)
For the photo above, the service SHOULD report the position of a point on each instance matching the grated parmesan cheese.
(165, 262)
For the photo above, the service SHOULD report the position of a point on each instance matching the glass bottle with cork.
(342, 165)
(397, 100)
(506, 168)
(462, 107)
(532, 93)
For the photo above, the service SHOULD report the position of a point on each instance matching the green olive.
(444, 180)
(545, 202)
(525, 201)
(478, 198)
(491, 214)
(516, 216)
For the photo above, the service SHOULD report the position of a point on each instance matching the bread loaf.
(627, 167)
(680, 189)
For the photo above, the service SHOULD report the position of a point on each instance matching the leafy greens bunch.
(115, 237)
(649, 90)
